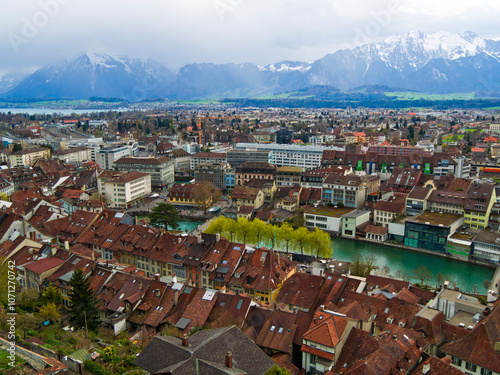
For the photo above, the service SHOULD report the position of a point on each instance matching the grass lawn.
(449, 138)
(472, 130)
(403, 95)
(5, 360)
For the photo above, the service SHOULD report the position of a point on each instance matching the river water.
(466, 275)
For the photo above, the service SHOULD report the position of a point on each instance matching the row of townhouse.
(438, 164)
(318, 323)
(205, 261)
(474, 201)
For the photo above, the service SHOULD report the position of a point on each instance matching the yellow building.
(477, 209)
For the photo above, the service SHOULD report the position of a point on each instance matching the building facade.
(28, 157)
(121, 190)
(160, 169)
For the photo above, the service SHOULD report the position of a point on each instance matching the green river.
(466, 275)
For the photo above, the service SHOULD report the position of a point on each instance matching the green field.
(472, 130)
(449, 138)
(403, 95)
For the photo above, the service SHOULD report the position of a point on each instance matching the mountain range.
(442, 62)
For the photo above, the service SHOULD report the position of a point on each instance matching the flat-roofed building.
(28, 157)
(486, 246)
(325, 218)
(430, 230)
(254, 171)
(107, 155)
(121, 190)
(292, 155)
(160, 169)
(214, 173)
(237, 157)
(208, 157)
(288, 176)
(73, 155)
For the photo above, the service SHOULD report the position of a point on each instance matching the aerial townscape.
(240, 188)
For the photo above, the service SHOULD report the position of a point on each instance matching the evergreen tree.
(164, 215)
(83, 312)
(51, 295)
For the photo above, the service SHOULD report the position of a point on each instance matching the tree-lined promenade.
(279, 237)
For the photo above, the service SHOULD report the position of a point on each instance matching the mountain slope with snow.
(442, 62)
(95, 75)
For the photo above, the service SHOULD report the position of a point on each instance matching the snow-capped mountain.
(442, 62)
(10, 80)
(96, 75)
(405, 61)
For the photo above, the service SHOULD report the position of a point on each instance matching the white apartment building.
(73, 155)
(108, 154)
(290, 155)
(121, 190)
(28, 157)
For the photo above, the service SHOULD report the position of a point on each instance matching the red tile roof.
(43, 265)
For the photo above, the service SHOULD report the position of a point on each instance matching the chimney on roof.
(179, 239)
(198, 236)
(66, 245)
(217, 237)
(157, 293)
(229, 360)
(140, 284)
(135, 220)
(185, 340)
(157, 276)
(174, 277)
(53, 249)
(176, 297)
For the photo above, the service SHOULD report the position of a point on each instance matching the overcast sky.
(38, 32)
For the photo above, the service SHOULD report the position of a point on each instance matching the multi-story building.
(478, 205)
(416, 201)
(107, 155)
(230, 179)
(28, 157)
(237, 157)
(183, 195)
(349, 190)
(121, 190)
(486, 246)
(215, 173)
(288, 176)
(386, 211)
(254, 171)
(244, 196)
(430, 230)
(73, 155)
(160, 169)
(351, 221)
(208, 157)
(325, 218)
(284, 136)
(290, 155)
(396, 150)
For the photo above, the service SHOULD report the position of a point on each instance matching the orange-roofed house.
(322, 344)
(491, 139)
